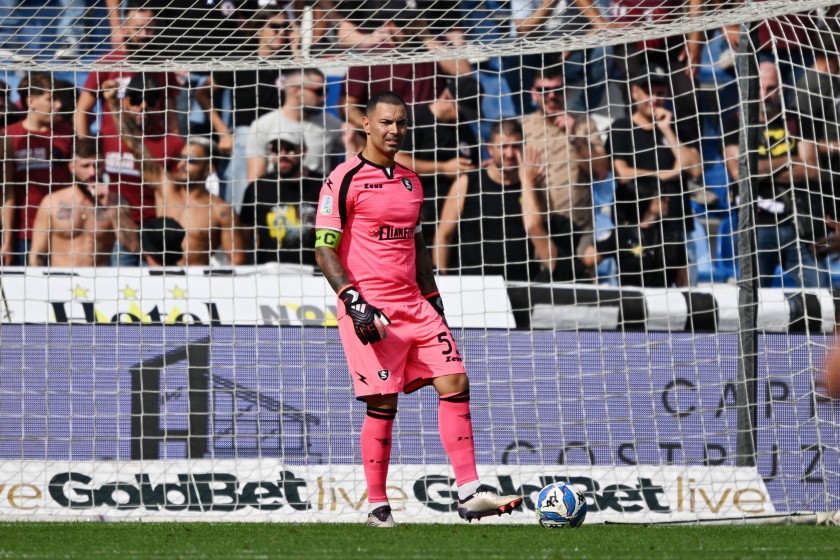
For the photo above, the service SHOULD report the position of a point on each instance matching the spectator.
(786, 41)
(485, 210)
(191, 30)
(254, 92)
(679, 53)
(162, 242)
(441, 144)
(138, 29)
(415, 82)
(818, 112)
(571, 151)
(78, 225)
(652, 208)
(301, 112)
(780, 240)
(182, 194)
(8, 113)
(368, 24)
(279, 209)
(587, 69)
(36, 152)
(125, 166)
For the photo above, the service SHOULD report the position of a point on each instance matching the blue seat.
(724, 261)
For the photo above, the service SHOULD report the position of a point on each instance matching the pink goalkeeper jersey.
(378, 212)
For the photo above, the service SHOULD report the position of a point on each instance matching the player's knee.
(382, 402)
(450, 384)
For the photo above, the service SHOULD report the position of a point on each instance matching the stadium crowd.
(609, 164)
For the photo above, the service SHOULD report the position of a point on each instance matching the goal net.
(629, 204)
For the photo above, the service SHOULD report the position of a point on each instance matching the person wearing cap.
(77, 226)
(572, 156)
(162, 242)
(302, 112)
(279, 208)
(35, 155)
(180, 191)
(652, 165)
(441, 144)
(139, 100)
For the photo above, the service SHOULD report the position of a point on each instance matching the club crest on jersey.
(407, 184)
(383, 374)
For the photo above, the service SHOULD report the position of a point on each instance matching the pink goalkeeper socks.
(376, 451)
(456, 434)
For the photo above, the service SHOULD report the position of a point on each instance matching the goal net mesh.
(629, 204)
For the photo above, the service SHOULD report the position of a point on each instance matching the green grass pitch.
(244, 541)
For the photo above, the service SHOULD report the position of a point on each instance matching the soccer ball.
(561, 505)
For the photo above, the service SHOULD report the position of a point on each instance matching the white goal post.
(630, 205)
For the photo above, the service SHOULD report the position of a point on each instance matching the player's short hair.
(86, 148)
(508, 126)
(384, 97)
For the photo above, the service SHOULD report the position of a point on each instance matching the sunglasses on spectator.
(192, 160)
(278, 27)
(545, 90)
(138, 97)
(284, 148)
(320, 91)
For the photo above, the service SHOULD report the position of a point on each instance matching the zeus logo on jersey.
(386, 233)
(373, 185)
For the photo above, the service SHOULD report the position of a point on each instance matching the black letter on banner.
(784, 395)
(147, 433)
(670, 387)
(813, 470)
(421, 492)
(561, 457)
(708, 460)
(517, 447)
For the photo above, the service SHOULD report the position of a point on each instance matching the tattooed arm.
(330, 264)
(232, 241)
(127, 230)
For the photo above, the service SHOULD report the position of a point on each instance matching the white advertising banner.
(267, 490)
(266, 295)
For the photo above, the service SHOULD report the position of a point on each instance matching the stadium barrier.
(209, 422)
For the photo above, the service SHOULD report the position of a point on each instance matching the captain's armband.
(327, 238)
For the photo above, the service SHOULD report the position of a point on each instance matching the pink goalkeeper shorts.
(418, 348)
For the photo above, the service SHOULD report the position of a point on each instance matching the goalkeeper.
(371, 251)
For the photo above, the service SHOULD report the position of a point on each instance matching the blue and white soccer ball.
(561, 505)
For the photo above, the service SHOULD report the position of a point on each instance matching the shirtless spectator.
(78, 225)
(182, 193)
